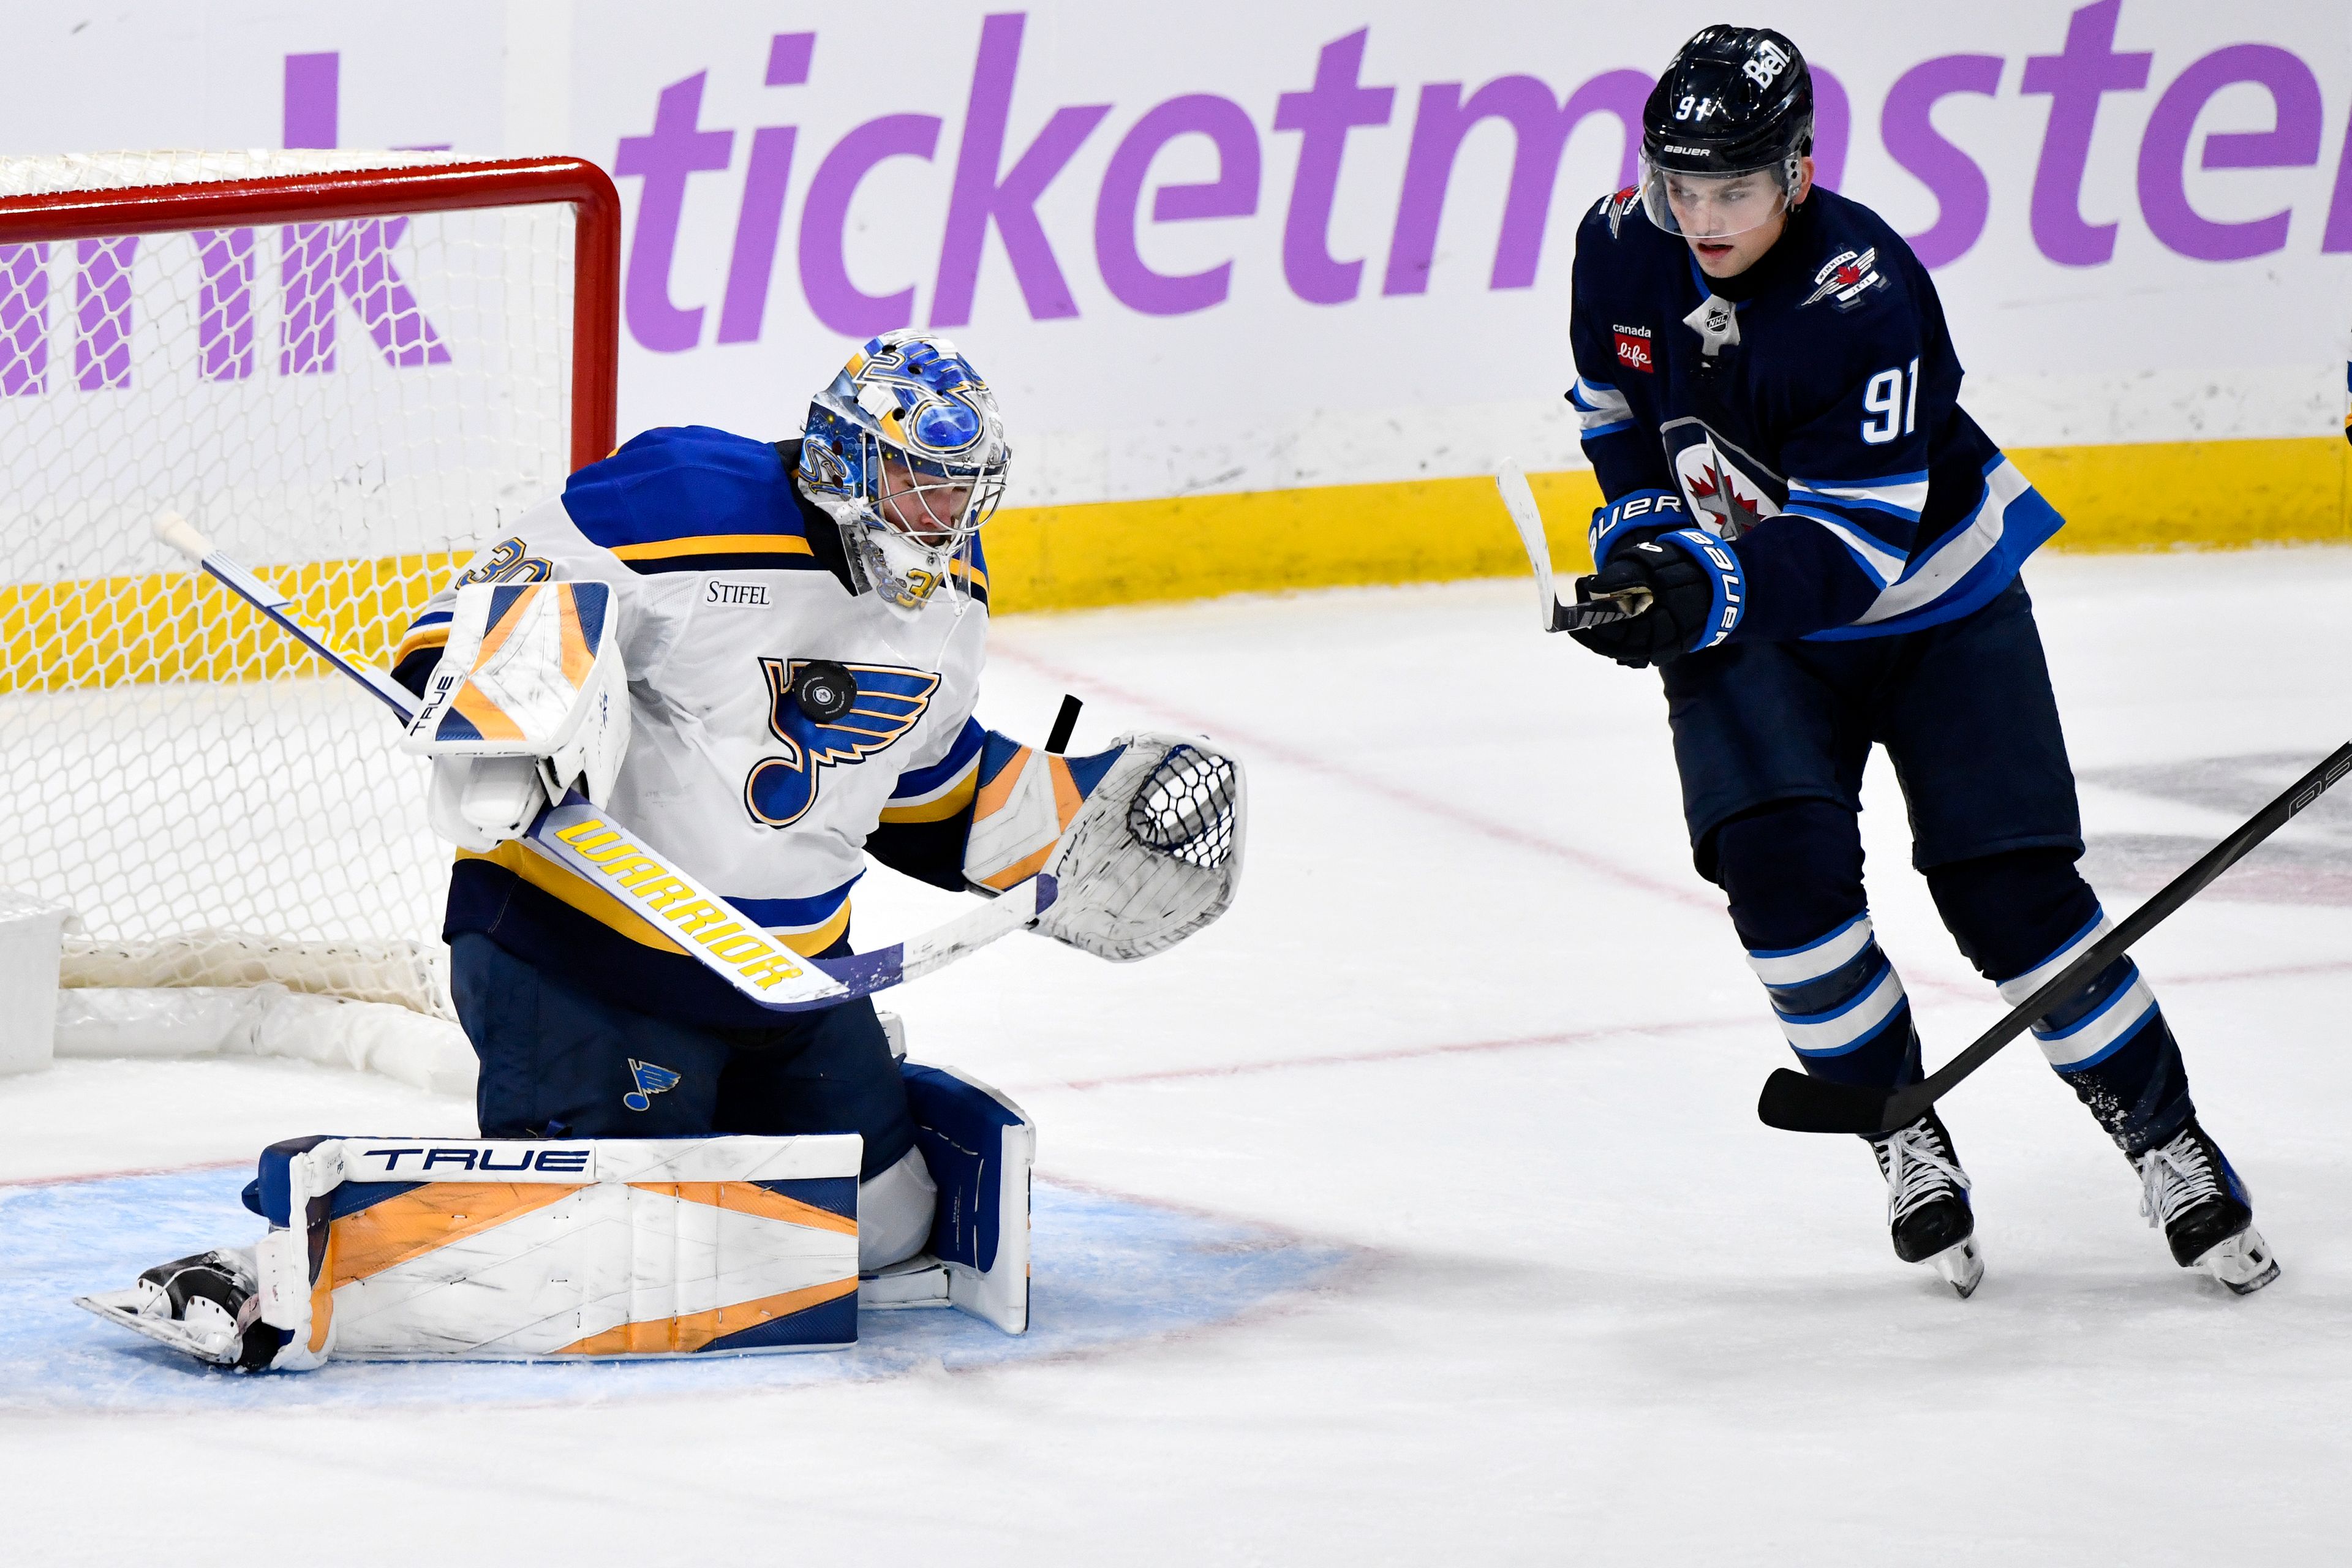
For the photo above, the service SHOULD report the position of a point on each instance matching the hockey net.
(350, 371)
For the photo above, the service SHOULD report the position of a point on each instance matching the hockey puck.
(824, 690)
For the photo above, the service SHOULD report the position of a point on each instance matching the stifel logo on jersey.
(1633, 349)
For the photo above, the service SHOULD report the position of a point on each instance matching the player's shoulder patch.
(691, 498)
(1847, 280)
(1616, 206)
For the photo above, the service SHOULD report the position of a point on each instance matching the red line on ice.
(1503, 832)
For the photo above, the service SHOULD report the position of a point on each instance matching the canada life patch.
(1634, 350)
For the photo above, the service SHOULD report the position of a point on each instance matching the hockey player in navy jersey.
(1830, 549)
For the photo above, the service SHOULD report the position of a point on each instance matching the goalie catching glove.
(1143, 841)
(529, 700)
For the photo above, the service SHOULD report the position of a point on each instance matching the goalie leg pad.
(978, 1146)
(419, 1248)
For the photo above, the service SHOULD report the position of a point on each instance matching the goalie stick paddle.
(581, 837)
(1797, 1103)
(1557, 617)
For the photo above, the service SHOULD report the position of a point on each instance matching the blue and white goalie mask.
(906, 451)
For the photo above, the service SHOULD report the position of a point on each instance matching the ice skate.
(203, 1304)
(2187, 1187)
(1928, 1212)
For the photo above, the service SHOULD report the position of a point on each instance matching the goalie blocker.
(403, 1249)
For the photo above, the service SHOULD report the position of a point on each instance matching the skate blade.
(121, 1307)
(1961, 1265)
(2244, 1262)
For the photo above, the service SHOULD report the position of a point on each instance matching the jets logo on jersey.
(650, 1080)
(887, 702)
(1846, 279)
(1724, 499)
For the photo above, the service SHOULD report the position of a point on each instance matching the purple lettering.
(319, 261)
(2074, 81)
(310, 103)
(824, 276)
(2292, 142)
(1832, 130)
(2339, 237)
(1906, 125)
(675, 151)
(102, 312)
(981, 198)
(224, 303)
(1539, 128)
(1323, 116)
(762, 214)
(23, 320)
(1232, 194)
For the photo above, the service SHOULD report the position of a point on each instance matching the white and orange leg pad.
(418, 1249)
(978, 1147)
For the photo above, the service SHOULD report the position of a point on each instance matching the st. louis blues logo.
(651, 1081)
(889, 699)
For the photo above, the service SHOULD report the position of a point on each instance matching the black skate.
(203, 1305)
(2207, 1215)
(1928, 1212)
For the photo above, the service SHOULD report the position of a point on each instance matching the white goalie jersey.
(776, 719)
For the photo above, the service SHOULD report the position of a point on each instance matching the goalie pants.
(557, 1062)
(1770, 740)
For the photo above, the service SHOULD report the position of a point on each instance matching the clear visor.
(1712, 206)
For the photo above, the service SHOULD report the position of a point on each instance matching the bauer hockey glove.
(1697, 590)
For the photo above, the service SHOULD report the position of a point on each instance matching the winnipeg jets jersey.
(725, 581)
(1808, 410)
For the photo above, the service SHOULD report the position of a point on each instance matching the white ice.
(1476, 1017)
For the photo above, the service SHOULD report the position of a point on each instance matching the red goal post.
(352, 369)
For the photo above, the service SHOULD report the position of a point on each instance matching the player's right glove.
(1697, 590)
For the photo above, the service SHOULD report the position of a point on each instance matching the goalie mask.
(906, 451)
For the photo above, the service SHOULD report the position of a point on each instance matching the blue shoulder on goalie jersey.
(688, 497)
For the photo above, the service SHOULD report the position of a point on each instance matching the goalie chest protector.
(726, 588)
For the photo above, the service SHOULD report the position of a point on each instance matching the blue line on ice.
(1106, 1271)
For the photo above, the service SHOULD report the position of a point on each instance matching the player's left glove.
(1697, 590)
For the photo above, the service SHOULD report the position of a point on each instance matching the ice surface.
(1476, 1025)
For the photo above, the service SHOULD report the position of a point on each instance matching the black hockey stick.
(1796, 1104)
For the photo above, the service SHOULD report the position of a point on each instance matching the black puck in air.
(824, 691)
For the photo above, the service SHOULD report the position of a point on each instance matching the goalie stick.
(1557, 617)
(774, 977)
(1796, 1104)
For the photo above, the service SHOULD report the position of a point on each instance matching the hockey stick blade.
(1796, 1104)
(775, 977)
(1557, 616)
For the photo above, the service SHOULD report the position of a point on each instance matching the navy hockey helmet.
(1732, 101)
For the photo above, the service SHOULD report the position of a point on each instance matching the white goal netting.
(349, 405)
